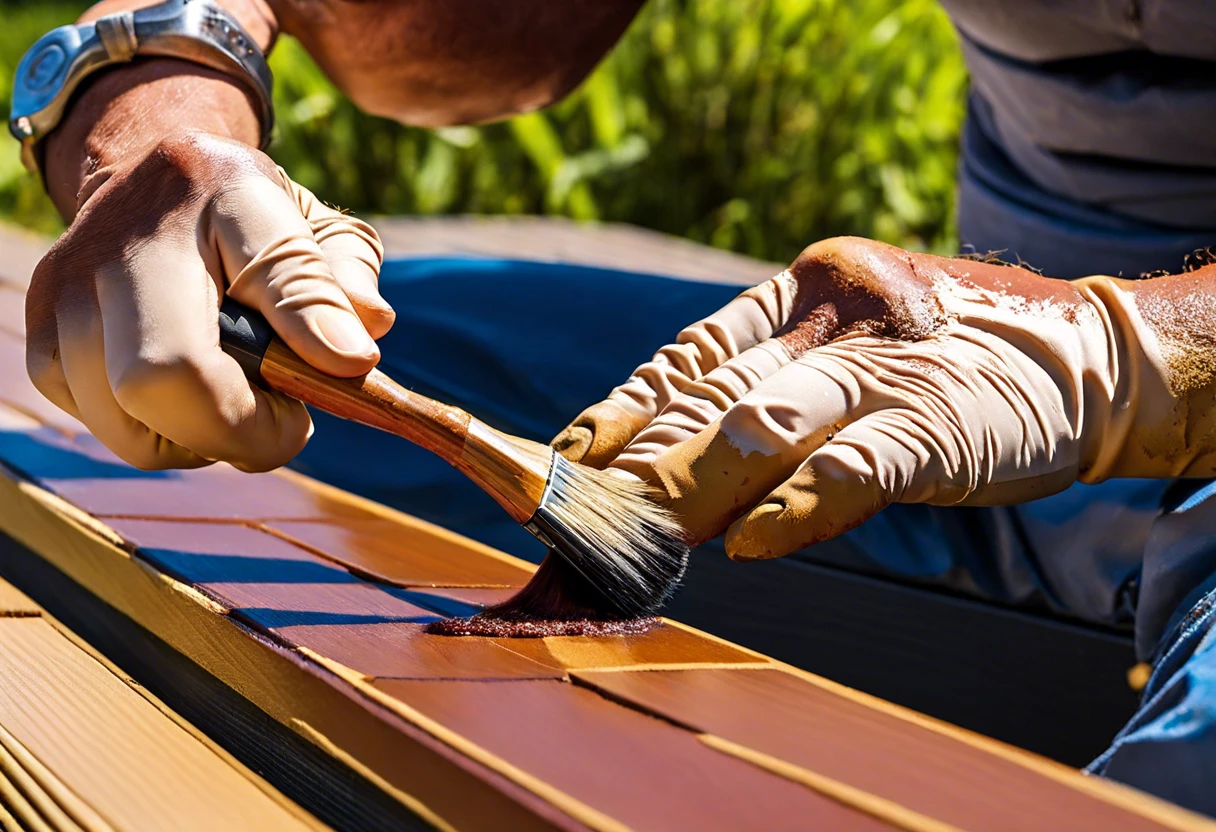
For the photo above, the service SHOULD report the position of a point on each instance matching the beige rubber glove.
(122, 314)
(866, 375)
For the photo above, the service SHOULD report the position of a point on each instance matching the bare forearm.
(437, 62)
(125, 111)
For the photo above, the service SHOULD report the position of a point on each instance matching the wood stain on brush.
(558, 601)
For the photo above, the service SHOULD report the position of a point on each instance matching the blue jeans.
(526, 346)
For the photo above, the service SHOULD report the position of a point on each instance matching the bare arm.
(126, 110)
(437, 62)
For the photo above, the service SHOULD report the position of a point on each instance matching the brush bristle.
(612, 532)
(558, 601)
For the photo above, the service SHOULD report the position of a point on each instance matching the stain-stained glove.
(866, 375)
(122, 313)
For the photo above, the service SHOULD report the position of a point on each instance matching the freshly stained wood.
(631, 767)
(881, 754)
(406, 555)
(403, 650)
(665, 645)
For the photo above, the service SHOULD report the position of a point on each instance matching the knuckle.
(145, 384)
(845, 259)
(143, 452)
(40, 367)
(869, 286)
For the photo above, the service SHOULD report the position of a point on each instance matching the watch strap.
(193, 30)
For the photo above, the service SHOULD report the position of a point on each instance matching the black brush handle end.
(245, 335)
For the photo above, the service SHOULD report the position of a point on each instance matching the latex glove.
(122, 314)
(866, 375)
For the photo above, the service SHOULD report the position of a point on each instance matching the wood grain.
(101, 754)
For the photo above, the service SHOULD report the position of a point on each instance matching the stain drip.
(558, 601)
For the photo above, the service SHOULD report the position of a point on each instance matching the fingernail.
(344, 332)
(573, 443)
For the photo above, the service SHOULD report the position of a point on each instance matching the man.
(862, 377)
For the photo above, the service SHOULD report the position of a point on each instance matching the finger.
(354, 253)
(275, 265)
(42, 359)
(865, 467)
(601, 431)
(934, 423)
(715, 474)
(168, 374)
(703, 402)
(82, 358)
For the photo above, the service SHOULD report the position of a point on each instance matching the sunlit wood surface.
(83, 747)
(309, 604)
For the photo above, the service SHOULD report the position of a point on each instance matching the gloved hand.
(122, 314)
(866, 375)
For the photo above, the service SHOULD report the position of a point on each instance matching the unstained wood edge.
(204, 740)
(45, 797)
(61, 792)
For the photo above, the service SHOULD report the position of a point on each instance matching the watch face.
(45, 67)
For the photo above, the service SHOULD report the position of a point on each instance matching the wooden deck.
(285, 618)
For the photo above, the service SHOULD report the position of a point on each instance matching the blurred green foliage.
(752, 125)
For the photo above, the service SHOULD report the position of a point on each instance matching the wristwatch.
(192, 30)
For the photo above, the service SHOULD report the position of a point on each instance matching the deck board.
(321, 635)
(82, 747)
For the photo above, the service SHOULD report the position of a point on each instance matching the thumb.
(599, 433)
(275, 265)
(885, 457)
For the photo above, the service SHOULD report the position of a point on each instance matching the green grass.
(752, 125)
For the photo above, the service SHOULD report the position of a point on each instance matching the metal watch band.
(193, 30)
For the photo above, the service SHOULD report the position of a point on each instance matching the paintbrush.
(627, 550)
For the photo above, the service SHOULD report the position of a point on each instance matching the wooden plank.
(403, 554)
(642, 772)
(939, 776)
(559, 240)
(112, 749)
(81, 747)
(1053, 686)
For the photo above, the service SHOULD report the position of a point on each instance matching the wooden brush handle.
(373, 399)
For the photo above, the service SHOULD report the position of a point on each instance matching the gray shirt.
(1091, 136)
